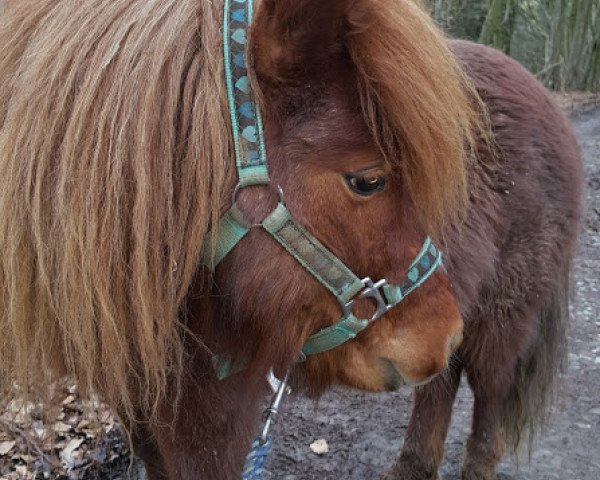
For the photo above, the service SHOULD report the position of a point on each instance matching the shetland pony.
(116, 159)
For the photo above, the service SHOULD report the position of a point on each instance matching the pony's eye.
(365, 185)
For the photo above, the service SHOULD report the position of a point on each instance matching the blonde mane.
(115, 158)
(114, 153)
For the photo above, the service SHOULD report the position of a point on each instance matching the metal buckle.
(371, 290)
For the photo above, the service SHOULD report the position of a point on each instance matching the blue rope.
(255, 461)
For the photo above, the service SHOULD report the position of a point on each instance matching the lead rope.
(261, 446)
(254, 467)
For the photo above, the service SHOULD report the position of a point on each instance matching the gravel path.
(364, 431)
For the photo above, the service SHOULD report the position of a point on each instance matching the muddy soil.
(364, 431)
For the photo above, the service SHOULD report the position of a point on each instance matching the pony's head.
(367, 122)
(116, 158)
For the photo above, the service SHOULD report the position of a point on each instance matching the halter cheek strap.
(246, 120)
(318, 260)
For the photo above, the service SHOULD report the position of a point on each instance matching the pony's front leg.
(208, 432)
(423, 448)
(207, 445)
(485, 445)
(491, 374)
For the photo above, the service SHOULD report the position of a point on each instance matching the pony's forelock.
(420, 106)
(114, 157)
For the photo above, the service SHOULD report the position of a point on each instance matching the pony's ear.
(295, 42)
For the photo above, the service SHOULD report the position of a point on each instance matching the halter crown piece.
(320, 262)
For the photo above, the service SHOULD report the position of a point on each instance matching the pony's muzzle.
(417, 369)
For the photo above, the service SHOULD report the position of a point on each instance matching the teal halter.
(251, 162)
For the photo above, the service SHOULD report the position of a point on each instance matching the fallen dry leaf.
(68, 455)
(320, 446)
(105, 416)
(39, 430)
(22, 471)
(48, 435)
(61, 427)
(83, 424)
(6, 447)
(25, 458)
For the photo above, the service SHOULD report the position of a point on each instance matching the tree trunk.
(497, 28)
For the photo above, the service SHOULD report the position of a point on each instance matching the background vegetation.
(558, 40)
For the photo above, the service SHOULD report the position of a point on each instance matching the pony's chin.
(383, 375)
(394, 379)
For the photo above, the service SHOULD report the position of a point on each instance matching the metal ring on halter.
(236, 191)
(373, 292)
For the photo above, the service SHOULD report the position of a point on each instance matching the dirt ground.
(363, 431)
